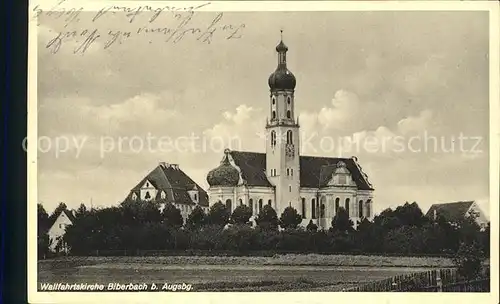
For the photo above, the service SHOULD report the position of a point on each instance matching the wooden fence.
(439, 280)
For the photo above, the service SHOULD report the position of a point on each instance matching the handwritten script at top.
(142, 21)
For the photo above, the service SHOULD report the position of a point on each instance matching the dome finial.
(281, 31)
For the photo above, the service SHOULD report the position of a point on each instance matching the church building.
(315, 186)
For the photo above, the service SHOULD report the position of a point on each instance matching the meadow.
(291, 272)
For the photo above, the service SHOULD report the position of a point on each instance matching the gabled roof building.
(457, 211)
(169, 184)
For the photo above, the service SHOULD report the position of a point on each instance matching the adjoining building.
(57, 230)
(455, 212)
(167, 183)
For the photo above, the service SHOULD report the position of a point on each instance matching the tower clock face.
(290, 151)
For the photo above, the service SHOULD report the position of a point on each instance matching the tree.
(267, 219)
(218, 215)
(469, 229)
(82, 210)
(241, 215)
(43, 240)
(290, 218)
(469, 259)
(387, 220)
(140, 212)
(341, 222)
(485, 239)
(196, 219)
(43, 219)
(57, 211)
(410, 215)
(405, 239)
(311, 227)
(172, 216)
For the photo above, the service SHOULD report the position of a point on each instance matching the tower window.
(337, 205)
(347, 203)
(288, 114)
(360, 209)
(291, 172)
(273, 138)
(274, 115)
(288, 100)
(269, 202)
(260, 205)
(274, 100)
(289, 139)
(250, 204)
(289, 188)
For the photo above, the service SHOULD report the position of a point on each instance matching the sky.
(407, 87)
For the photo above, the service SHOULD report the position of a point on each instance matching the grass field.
(278, 273)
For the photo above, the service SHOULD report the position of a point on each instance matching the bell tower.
(282, 146)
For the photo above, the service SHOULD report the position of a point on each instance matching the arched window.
(229, 205)
(303, 208)
(269, 202)
(241, 202)
(288, 100)
(273, 138)
(260, 205)
(274, 114)
(250, 204)
(289, 137)
(337, 205)
(322, 207)
(274, 100)
(288, 114)
(195, 196)
(313, 208)
(360, 209)
(347, 203)
(147, 196)
(368, 207)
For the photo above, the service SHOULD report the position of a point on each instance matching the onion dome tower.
(224, 175)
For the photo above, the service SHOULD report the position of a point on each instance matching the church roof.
(314, 171)
(175, 183)
(452, 212)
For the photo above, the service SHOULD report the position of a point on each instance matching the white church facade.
(315, 186)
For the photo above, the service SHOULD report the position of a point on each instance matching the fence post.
(439, 283)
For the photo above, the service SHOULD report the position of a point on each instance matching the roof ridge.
(169, 184)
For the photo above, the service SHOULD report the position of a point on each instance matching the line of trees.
(136, 226)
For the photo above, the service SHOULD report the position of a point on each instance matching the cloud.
(78, 115)
(418, 123)
(242, 129)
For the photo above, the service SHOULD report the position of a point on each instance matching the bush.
(468, 260)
